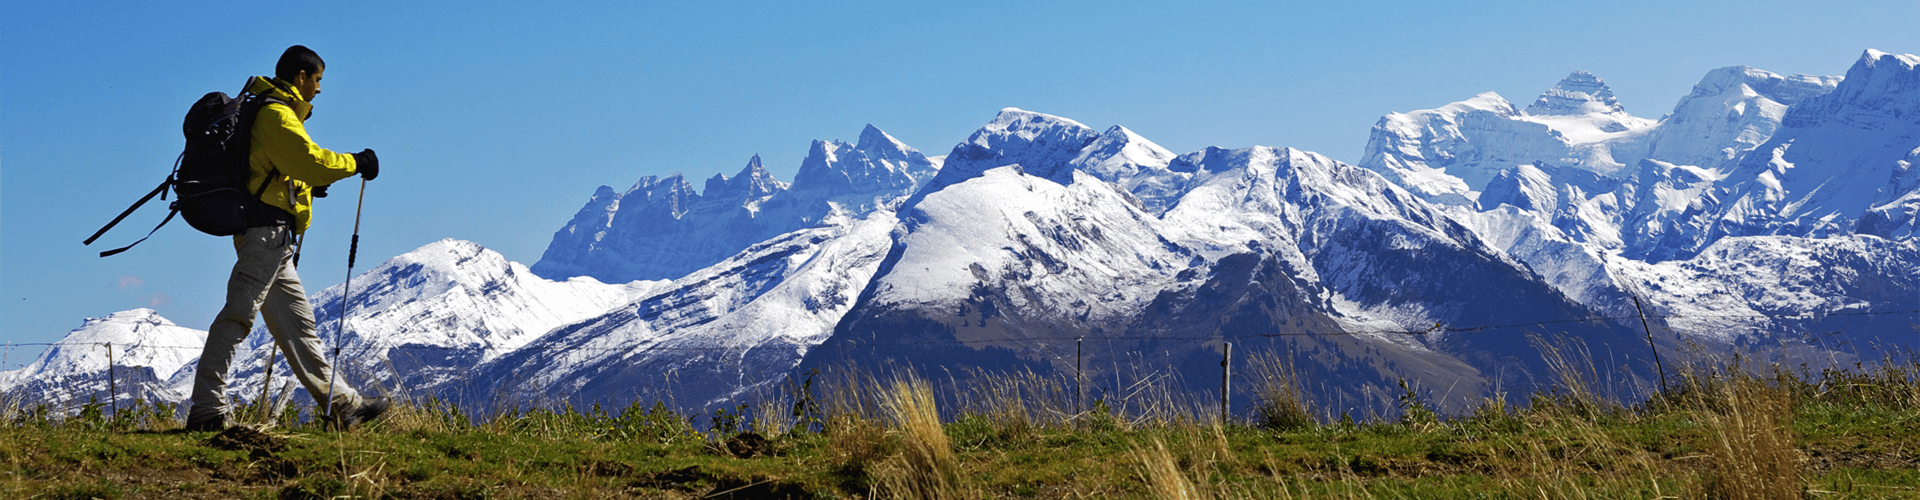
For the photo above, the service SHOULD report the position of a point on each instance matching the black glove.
(369, 164)
(320, 191)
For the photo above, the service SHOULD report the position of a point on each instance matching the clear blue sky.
(496, 120)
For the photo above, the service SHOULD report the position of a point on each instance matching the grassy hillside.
(1726, 432)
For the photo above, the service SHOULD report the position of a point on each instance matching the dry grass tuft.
(849, 391)
(928, 466)
(1752, 451)
(855, 445)
(773, 414)
(412, 416)
(1162, 474)
(1281, 404)
(1017, 403)
(1579, 388)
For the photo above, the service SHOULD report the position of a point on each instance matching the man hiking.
(293, 170)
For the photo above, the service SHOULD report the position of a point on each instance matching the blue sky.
(496, 120)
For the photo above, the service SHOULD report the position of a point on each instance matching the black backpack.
(210, 176)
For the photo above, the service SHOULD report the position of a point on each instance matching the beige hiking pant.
(264, 276)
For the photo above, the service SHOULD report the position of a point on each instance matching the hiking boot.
(214, 423)
(366, 412)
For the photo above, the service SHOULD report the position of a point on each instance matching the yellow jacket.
(280, 141)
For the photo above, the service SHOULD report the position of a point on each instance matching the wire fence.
(115, 394)
(1437, 329)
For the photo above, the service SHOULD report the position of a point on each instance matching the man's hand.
(369, 164)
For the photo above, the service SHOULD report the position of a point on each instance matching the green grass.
(1848, 434)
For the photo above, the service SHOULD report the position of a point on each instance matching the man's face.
(308, 84)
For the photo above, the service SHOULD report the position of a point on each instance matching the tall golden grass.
(926, 462)
(1752, 454)
(1163, 475)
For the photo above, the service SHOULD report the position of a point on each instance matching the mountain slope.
(1836, 157)
(709, 336)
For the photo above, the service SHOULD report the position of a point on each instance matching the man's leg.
(290, 318)
(260, 251)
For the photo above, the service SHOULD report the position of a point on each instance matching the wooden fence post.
(113, 386)
(1226, 382)
(1079, 377)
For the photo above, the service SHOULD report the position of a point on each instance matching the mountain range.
(1768, 214)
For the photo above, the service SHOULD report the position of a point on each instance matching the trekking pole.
(346, 292)
(272, 355)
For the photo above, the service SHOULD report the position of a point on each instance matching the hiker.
(294, 171)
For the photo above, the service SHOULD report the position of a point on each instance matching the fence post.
(1650, 346)
(1079, 378)
(1226, 382)
(113, 387)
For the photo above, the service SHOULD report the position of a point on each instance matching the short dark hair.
(296, 59)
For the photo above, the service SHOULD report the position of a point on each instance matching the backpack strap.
(260, 213)
(271, 174)
(156, 228)
(160, 191)
(254, 103)
(249, 119)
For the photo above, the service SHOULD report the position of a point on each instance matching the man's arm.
(294, 153)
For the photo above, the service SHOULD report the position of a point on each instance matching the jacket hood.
(282, 91)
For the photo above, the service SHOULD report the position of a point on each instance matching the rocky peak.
(1042, 145)
(671, 194)
(878, 163)
(681, 230)
(1579, 93)
(878, 144)
(753, 182)
(1211, 160)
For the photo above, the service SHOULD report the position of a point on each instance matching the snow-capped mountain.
(147, 351)
(1820, 167)
(999, 269)
(662, 229)
(1748, 152)
(1836, 158)
(1448, 155)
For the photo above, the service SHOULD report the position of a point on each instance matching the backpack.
(209, 178)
